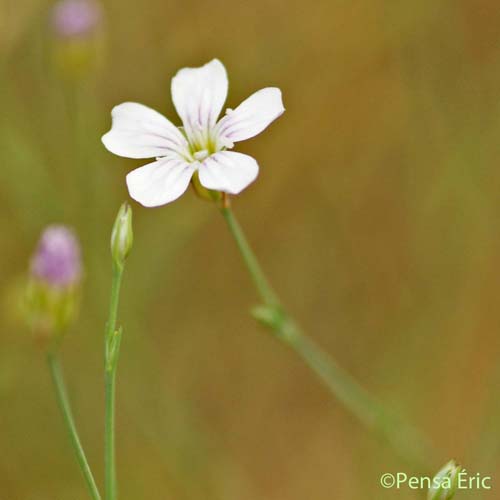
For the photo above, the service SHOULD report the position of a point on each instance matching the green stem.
(259, 279)
(109, 459)
(63, 401)
(405, 439)
(111, 351)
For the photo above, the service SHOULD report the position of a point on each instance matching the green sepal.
(202, 191)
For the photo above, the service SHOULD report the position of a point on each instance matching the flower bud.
(122, 236)
(51, 295)
(57, 261)
(76, 18)
(445, 482)
(78, 37)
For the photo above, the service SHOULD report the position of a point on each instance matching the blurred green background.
(375, 214)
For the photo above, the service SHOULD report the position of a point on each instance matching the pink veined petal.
(141, 132)
(198, 95)
(252, 116)
(228, 171)
(160, 182)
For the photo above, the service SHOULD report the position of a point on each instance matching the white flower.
(201, 145)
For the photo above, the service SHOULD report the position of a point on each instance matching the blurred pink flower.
(200, 145)
(57, 260)
(76, 18)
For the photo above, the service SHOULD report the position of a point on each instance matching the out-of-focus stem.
(63, 401)
(404, 438)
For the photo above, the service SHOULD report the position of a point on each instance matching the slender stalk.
(259, 279)
(110, 459)
(111, 350)
(406, 440)
(63, 401)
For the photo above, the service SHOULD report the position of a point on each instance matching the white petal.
(160, 182)
(228, 171)
(141, 132)
(199, 94)
(252, 116)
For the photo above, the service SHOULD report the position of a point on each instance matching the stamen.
(201, 155)
(226, 143)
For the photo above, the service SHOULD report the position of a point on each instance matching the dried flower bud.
(445, 482)
(122, 236)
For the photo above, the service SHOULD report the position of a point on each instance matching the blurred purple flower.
(76, 18)
(57, 260)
